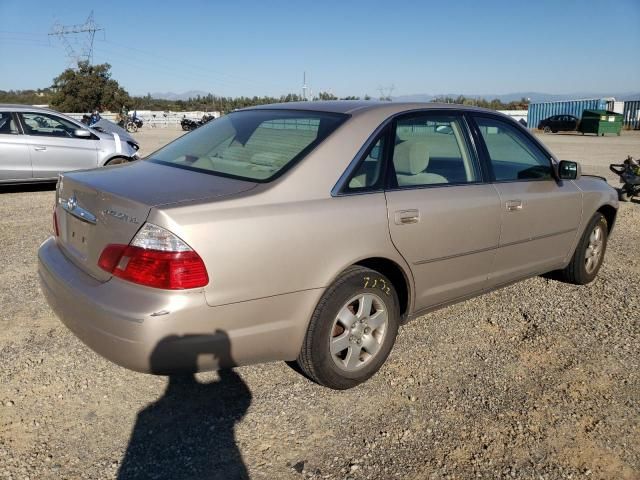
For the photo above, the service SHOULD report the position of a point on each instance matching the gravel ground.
(538, 380)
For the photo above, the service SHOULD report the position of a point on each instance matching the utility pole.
(304, 86)
(63, 32)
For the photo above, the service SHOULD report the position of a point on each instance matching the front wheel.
(117, 161)
(547, 129)
(352, 330)
(132, 127)
(589, 254)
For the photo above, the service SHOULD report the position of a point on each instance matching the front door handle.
(514, 205)
(39, 148)
(406, 217)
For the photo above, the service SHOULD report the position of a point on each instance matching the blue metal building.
(631, 114)
(540, 111)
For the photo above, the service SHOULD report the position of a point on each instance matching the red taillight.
(56, 230)
(155, 268)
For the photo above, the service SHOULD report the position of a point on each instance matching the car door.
(539, 214)
(53, 146)
(15, 163)
(443, 218)
(572, 123)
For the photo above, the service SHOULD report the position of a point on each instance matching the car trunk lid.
(99, 207)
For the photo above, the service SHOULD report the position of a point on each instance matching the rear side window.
(254, 145)
(369, 172)
(432, 150)
(7, 124)
(513, 156)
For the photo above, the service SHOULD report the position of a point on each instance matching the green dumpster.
(600, 122)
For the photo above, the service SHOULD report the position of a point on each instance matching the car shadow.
(28, 187)
(189, 432)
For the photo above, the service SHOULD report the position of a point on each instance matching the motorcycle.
(188, 124)
(206, 118)
(131, 124)
(629, 172)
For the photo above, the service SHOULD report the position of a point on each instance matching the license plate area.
(78, 236)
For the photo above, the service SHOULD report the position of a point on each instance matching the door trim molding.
(495, 247)
(539, 237)
(448, 257)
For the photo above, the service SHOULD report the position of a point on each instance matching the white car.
(36, 144)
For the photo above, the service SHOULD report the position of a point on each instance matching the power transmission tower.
(84, 50)
(385, 92)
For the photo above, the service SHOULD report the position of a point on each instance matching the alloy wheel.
(358, 331)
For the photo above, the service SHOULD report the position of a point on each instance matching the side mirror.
(81, 133)
(569, 170)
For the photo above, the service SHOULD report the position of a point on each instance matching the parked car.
(311, 232)
(36, 144)
(559, 123)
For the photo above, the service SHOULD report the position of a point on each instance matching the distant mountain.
(510, 97)
(179, 96)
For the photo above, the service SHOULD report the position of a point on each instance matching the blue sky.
(347, 47)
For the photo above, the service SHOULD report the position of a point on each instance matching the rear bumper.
(164, 332)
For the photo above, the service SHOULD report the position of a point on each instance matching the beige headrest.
(411, 157)
(269, 159)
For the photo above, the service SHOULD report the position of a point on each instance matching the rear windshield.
(254, 145)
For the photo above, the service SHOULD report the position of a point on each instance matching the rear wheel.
(589, 254)
(132, 127)
(352, 330)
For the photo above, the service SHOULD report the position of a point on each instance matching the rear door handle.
(39, 149)
(514, 205)
(406, 217)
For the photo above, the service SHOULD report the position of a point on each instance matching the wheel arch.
(398, 276)
(106, 160)
(610, 214)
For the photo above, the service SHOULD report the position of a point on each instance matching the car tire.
(547, 129)
(345, 344)
(117, 161)
(589, 254)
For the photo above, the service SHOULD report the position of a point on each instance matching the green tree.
(86, 88)
(325, 96)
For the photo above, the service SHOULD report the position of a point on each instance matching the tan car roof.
(360, 106)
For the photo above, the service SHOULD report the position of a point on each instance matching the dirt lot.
(539, 380)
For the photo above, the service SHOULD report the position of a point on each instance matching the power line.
(25, 41)
(199, 68)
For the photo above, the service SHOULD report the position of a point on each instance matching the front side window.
(43, 124)
(513, 156)
(432, 150)
(252, 144)
(7, 124)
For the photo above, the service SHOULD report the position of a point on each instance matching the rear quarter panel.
(256, 247)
